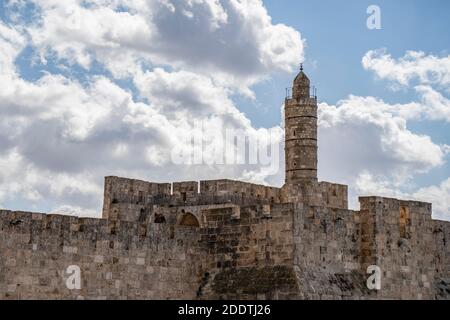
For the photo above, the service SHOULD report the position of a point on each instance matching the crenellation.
(316, 194)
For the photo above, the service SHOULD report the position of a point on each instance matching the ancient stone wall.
(327, 250)
(123, 190)
(325, 194)
(334, 247)
(398, 237)
(441, 231)
(233, 252)
(251, 256)
(117, 259)
(153, 249)
(223, 187)
(127, 199)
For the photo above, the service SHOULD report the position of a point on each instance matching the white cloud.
(414, 65)
(364, 144)
(15, 180)
(438, 195)
(361, 134)
(74, 211)
(434, 105)
(367, 184)
(233, 41)
(60, 138)
(21, 179)
(430, 74)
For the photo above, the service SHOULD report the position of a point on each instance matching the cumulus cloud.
(362, 133)
(427, 75)
(68, 210)
(439, 196)
(434, 105)
(414, 65)
(60, 137)
(365, 141)
(363, 144)
(21, 180)
(234, 41)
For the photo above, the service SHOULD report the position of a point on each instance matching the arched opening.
(159, 218)
(189, 220)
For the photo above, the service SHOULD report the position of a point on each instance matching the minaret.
(301, 132)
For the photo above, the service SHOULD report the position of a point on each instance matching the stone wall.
(334, 247)
(222, 187)
(325, 194)
(327, 250)
(441, 231)
(118, 259)
(251, 256)
(233, 252)
(123, 190)
(153, 249)
(126, 199)
(398, 237)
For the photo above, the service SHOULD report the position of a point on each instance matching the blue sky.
(94, 89)
(337, 39)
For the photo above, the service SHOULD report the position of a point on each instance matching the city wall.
(226, 240)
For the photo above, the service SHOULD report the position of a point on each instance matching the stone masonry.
(226, 239)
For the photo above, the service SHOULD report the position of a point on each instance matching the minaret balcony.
(300, 101)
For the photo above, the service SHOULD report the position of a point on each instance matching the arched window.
(189, 220)
(159, 218)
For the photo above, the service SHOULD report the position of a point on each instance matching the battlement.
(228, 250)
(320, 194)
(377, 202)
(138, 194)
(128, 197)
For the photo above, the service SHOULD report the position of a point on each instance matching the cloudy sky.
(91, 88)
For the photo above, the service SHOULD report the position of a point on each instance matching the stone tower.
(301, 133)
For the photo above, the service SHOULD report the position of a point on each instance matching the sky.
(95, 88)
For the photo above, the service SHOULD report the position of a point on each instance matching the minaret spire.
(301, 85)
